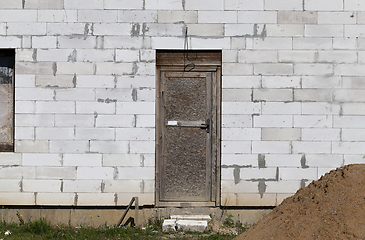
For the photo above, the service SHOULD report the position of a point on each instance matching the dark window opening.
(7, 62)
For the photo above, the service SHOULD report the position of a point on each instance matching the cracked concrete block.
(169, 225)
(315, 121)
(191, 225)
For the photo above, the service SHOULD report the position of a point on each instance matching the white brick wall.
(293, 94)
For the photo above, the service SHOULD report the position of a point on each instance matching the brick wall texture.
(293, 95)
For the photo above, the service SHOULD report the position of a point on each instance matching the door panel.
(186, 138)
(188, 129)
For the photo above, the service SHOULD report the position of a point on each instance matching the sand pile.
(331, 208)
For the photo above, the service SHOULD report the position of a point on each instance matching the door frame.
(205, 61)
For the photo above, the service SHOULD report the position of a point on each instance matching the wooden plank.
(184, 58)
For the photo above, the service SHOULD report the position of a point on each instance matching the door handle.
(206, 125)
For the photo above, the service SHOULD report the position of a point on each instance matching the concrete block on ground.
(191, 225)
(169, 225)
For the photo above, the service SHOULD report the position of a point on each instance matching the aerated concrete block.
(169, 225)
(191, 225)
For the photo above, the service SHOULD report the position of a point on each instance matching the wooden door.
(187, 130)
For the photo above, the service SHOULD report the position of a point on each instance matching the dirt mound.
(331, 208)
